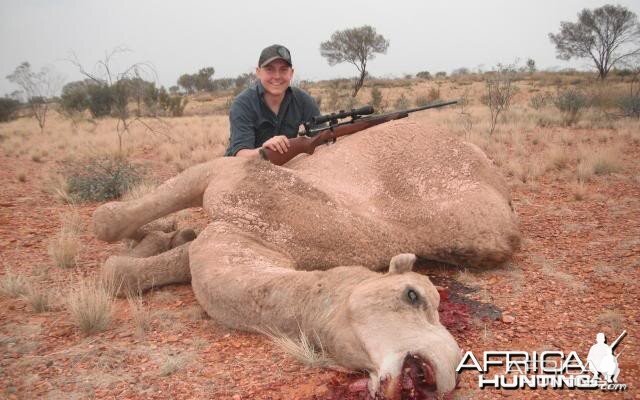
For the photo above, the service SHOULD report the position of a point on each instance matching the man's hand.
(277, 143)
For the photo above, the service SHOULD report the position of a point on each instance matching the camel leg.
(117, 220)
(133, 275)
(165, 225)
(157, 242)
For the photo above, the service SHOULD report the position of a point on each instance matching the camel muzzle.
(417, 381)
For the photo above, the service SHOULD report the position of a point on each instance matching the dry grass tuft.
(584, 171)
(579, 190)
(196, 313)
(140, 314)
(65, 246)
(57, 186)
(605, 164)
(90, 304)
(613, 319)
(468, 279)
(12, 285)
(557, 157)
(302, 348)
(40, 299)
(598, 162)
(172, 364)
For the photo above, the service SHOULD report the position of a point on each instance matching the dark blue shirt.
(253, 123)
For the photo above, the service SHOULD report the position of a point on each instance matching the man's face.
(275, 77)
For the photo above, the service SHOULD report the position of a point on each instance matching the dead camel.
(296, 247)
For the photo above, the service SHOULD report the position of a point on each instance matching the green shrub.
(8, 108)
(100, 100)
(172, 104)
(101, 178)
(75, 97)
(570, 102)
(630, 105)
(424, 75)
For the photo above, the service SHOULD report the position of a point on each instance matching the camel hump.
(402, 263)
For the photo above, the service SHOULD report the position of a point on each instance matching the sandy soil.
(577, 274)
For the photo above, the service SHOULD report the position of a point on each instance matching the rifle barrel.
(617, 341)
(428, 106)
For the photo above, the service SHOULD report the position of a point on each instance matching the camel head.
(394, 321)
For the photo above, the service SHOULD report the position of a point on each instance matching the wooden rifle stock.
(307, 144)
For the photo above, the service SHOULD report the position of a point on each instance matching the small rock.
(236, 397)
(508, 319)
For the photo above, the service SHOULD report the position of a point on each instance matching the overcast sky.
(183, 36)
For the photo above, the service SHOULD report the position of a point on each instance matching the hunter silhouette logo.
(552, 369)
(602, 360)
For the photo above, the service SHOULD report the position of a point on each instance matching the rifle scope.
(354, 113)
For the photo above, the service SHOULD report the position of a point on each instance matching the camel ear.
(402, 263)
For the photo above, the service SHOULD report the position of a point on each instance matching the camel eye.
(412, 296)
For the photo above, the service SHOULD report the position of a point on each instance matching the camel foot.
(112, 222)
(131, 275)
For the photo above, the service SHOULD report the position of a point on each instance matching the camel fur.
(301, 246)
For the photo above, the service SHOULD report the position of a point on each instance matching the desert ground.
(575, 185)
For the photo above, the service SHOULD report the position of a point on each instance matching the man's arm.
(248, 153)
(242, 136)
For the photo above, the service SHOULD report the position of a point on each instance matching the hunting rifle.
(315, 133)
(617, 341)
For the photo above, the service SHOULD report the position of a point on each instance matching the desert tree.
(607, 35)
(114, 90)
(38, 87)
(499, 91)
(531, 65)
(187, 82)
(245, 80)
(202, 81)
(356, 46)
(424, 75)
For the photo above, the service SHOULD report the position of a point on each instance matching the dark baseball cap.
(274, 52)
